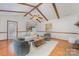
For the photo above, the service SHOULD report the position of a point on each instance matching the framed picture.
(48, 27)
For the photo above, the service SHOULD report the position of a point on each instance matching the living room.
(43, 29)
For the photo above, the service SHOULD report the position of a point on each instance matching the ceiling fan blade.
(38, 20)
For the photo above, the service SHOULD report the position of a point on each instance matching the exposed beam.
(12, 11)
(33, 9)
(30, 14)
(42, 14)
(56, 11)
(26, 4)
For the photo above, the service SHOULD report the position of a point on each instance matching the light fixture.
(36, 17)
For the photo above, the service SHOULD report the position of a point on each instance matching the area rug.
(43, 50)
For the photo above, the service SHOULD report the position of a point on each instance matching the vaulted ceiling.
(46, 10)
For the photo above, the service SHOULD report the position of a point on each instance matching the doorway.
(12, 30)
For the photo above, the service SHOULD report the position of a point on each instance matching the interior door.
(12, 30)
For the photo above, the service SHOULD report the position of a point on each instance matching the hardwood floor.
(58, 51)
(60, 48)
(4, 48)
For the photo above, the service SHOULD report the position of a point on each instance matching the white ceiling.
(48, 11)
(64, 9)
(14, 7)
(34, 4)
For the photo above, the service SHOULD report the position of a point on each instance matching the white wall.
(63, 25)
(3, 23)
(59, 25)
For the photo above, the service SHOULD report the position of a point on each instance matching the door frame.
(16, 29)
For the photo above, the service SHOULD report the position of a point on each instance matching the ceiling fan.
(36, 17)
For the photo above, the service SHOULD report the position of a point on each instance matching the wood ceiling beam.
(29, 6)
(56, 11)
(33, 9)
(12, 11)
(42, 14)
(26, 4)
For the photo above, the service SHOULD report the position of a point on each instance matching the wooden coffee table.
(39, 41)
